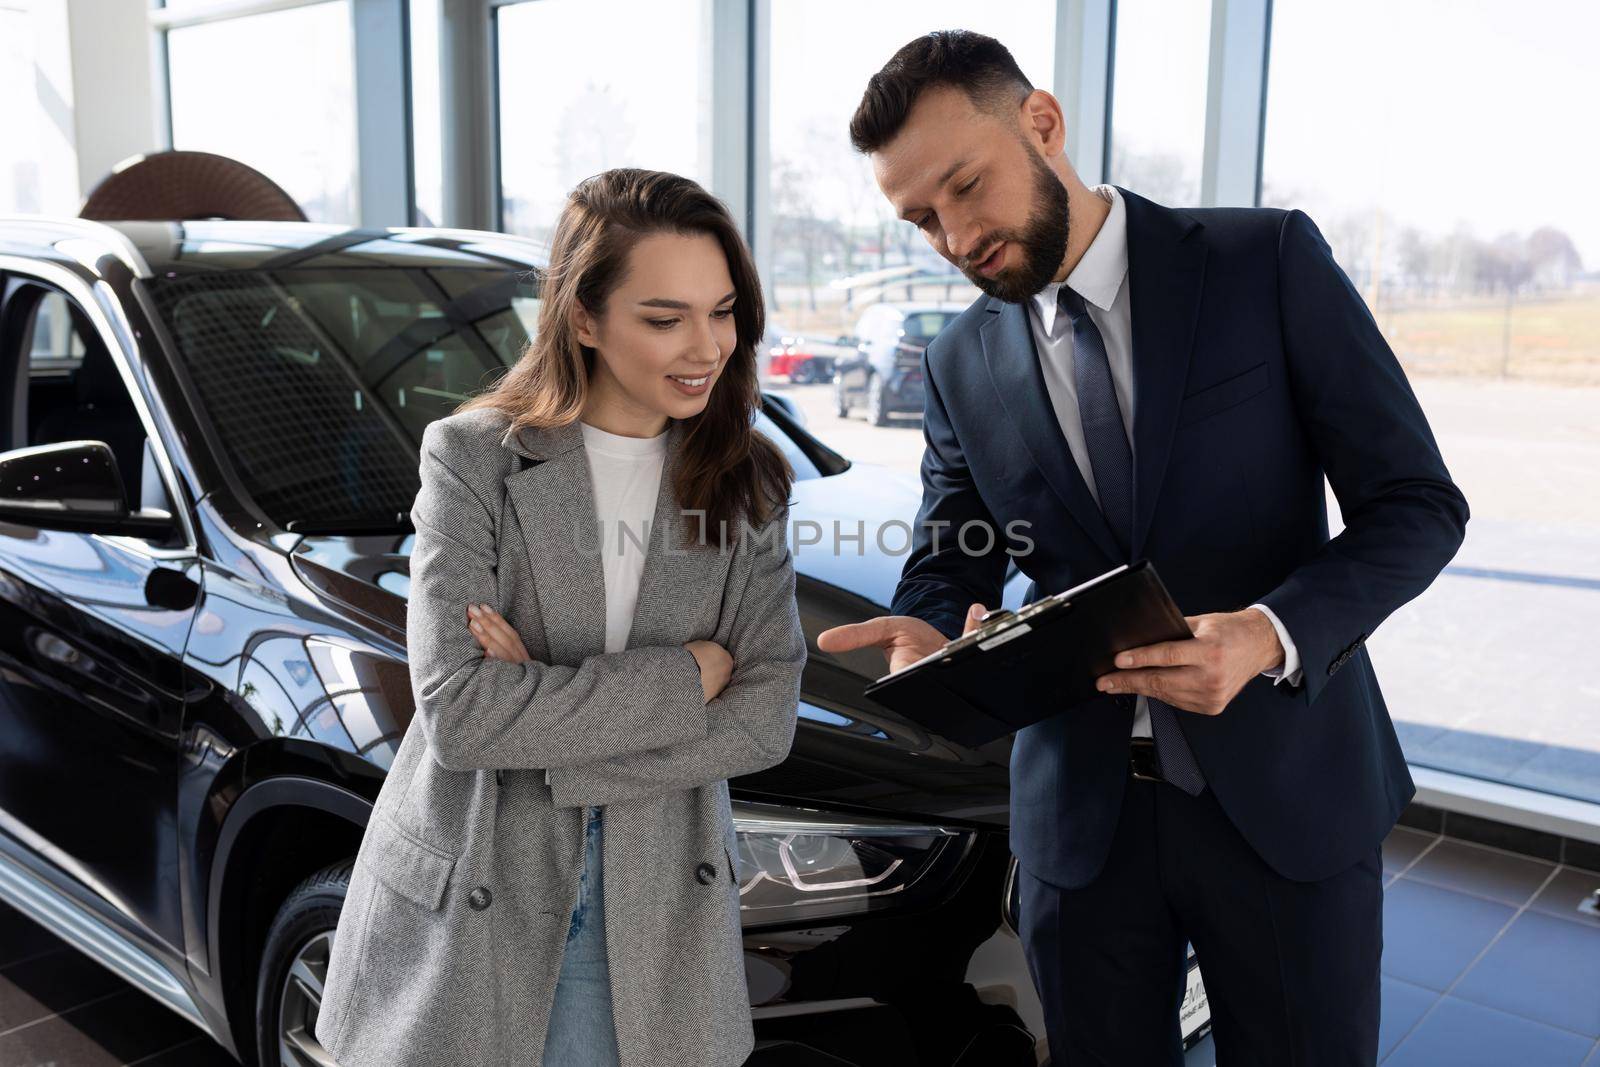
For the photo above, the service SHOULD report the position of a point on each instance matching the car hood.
(853, 529)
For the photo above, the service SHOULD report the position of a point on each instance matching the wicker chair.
(174, 186)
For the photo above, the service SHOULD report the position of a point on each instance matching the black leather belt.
(1142, 763)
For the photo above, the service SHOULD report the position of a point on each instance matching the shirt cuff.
(1290, 671)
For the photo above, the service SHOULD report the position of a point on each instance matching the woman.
(602, 630)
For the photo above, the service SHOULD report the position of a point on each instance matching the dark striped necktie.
(1111, 459)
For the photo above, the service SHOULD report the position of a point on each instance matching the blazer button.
(479, 898)
(705, 874)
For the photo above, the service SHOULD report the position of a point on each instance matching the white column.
(1083, 81)
(383, 111)
(468, 138)
(1236, 101)
(110, 111)
(725, 83)
(759, 232)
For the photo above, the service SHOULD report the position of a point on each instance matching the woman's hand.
(498, 639)
(716, 666)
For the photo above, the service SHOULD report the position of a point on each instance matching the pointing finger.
(852, 636)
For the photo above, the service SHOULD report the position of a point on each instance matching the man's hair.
(978, 65)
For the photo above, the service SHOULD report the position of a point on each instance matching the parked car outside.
(804, 360)
(885, 374)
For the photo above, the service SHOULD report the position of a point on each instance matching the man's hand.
(498, 639)
(1202, 675)
(716, 667)
(903, 638)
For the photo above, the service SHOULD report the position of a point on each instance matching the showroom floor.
(1489, 960)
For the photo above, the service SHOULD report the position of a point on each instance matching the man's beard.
(1043, 240)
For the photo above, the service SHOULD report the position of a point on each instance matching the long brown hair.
(726, 469)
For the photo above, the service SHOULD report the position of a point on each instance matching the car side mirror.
(73, 485)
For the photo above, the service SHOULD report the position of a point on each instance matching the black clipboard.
(1024, 667)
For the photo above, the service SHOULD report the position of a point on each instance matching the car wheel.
(294, 966)
(841, 405)
(803, 374)
(875, 411)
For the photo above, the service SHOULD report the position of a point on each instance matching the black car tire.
(875, 402)
(841, 405)
(804, 373)
(294, 966)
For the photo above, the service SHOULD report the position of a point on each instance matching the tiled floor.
(1488, 962)
(60, 1009)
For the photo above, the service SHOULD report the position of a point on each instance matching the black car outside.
(885, 375)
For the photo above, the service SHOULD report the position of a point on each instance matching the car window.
(924, 326)
(55, 344)
(319, 382)
(75, 390)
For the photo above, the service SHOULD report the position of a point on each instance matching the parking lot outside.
(1470, 688)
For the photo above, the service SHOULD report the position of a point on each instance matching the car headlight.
(799, 864)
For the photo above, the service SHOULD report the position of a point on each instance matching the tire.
(841, 406)
(875, 410)
(294, 966)
(804, 373)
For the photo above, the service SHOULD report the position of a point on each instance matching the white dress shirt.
(1101, 279)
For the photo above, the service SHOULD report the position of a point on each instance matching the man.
(1143, 382)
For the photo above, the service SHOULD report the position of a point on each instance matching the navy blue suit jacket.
(1257, 371)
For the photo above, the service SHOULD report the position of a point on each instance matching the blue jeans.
(581, 1032)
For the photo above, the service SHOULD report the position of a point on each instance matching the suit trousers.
(1290, 968)
(582, 1032)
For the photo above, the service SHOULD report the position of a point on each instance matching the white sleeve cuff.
(1290, 671)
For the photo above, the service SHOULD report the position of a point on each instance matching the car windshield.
(923, 326)
(318, 383)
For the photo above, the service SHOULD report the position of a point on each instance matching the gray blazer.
(449, 945)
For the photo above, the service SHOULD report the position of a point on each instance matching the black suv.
(211, 434)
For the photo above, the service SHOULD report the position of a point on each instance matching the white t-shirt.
(626, 475)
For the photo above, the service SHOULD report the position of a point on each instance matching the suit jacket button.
(705, 874)
(479, 898)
